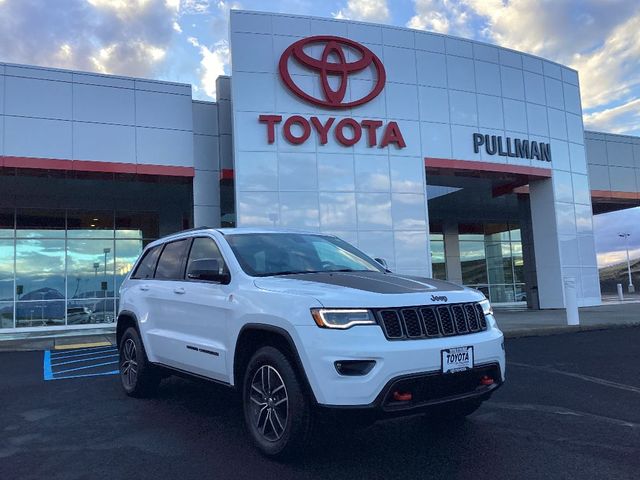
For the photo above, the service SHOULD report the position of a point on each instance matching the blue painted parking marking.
(80, 363)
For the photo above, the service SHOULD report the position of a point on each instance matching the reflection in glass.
(137, 225)
(127, 252)
(501, 293)
(438, 265)
(40, 313)
(6, 270)
(6, 314)
(493, 262)
(98, 310)
(6, 223)
(90, 268)
(32, 223)
(473, 262)
(40, 269)
(89, 224)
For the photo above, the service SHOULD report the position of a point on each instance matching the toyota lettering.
(333, 72)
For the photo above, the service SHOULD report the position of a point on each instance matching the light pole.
(626, 241)
(96, 266)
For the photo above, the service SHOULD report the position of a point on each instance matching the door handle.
(179, 291)
(144, 288)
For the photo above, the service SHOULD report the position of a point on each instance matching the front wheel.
(138, 377)
(277, 412)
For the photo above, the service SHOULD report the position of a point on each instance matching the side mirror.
(207, 269)
(382, 262)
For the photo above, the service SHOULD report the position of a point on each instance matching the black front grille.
(390, 322)
(431, 321)
(412, 322)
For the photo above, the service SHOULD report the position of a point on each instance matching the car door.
(165, 311)
(207, 311)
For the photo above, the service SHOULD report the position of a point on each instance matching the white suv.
(304, 323)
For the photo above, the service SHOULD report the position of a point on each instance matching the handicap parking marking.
(80, 362)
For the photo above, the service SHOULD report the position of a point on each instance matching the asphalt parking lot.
(570, 409)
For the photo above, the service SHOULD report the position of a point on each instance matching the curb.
(563, 329)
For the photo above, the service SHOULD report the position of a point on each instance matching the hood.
(368, 289)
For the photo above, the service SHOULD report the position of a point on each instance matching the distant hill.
(613, 274)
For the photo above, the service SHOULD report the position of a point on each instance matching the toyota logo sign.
(333, 46)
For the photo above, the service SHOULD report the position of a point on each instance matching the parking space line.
(87, 366)
(586, 378)
(72, 355)
(84, 360)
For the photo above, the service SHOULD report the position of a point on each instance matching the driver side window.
(204, 248)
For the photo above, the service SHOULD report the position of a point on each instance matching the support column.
(546, 244)
(452, 252)
(528, 252)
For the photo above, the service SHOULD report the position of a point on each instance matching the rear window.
(171, 262)
(147, 265)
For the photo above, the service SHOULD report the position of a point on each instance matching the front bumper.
(395, 361)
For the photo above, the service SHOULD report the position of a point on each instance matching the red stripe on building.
(95, 166)
(614, 195)
(467, 166)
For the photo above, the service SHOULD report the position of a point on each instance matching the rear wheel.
(276, 410)
(138, 377)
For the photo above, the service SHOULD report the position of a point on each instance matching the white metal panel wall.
(614, 162)
(57, 114)
(440, 90)
(372, 197)
(206, 183)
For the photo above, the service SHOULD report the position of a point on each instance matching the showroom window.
(491, 260)
(64, 267)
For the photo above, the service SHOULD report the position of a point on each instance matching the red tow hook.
(402, 396)
(486, 380)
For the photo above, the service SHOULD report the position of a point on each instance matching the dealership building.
(446, 157)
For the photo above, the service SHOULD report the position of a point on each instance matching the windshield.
(265, 254)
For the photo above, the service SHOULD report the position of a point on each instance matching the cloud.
(366, 10)
(599, 39)
(610, 247)
(623, 118)
(126, 37)
(214, 62)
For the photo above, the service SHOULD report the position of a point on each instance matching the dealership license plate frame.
(461, 366)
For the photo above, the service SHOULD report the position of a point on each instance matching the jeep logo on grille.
(439, 298)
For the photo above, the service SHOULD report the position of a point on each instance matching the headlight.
(342, 318)
(486, 307)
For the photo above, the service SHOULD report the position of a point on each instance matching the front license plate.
(457, 359)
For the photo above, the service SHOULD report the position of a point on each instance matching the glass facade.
(438, 265)
(64, 267)
(491, 260)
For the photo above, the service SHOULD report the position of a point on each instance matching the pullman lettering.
(508, 147)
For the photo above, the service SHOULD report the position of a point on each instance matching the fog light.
(402, 396)
(354, 368)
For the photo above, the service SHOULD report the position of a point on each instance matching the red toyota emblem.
(340, 68)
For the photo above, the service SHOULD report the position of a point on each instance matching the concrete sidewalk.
(512, 321)
(525, 323)
(58, 340)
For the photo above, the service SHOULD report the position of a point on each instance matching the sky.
(187, 41)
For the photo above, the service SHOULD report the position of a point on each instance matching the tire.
(138, 377)
(277, 411)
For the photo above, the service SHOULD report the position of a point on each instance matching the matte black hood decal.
(377, 282)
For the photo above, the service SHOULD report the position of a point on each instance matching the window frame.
(146, 252)
(186, 263)
(182, 260)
